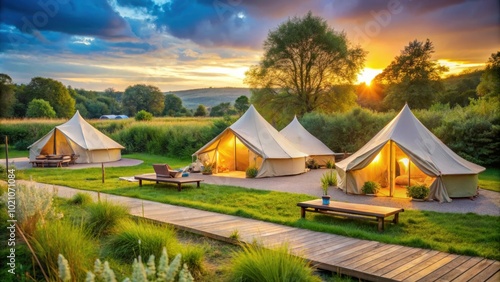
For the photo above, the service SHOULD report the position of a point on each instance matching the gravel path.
(486, 203)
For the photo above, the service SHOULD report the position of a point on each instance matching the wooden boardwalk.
(363, 259)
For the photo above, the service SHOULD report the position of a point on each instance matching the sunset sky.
(175, 45)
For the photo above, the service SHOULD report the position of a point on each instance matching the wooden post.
(103, 173)
(7, 154)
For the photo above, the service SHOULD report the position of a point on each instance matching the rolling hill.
(210, 96)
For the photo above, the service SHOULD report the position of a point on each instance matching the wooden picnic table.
(350, 210)
(179, 181)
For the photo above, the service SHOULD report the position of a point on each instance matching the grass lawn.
(490, 179)
(469, 234)
(13, 153)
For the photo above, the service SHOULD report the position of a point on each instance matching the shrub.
(330, 164)
(143, 115)
(131, 240)
(252, 172)
(163, 273)
(39, 108)
(312, 164)
(104, 216)
(417, 191)
(370, 187)
(60, 237)
(81, 199)
(330, 178)
(37, 207)
(256, 263)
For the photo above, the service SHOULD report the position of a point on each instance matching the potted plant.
(324, 187)
(251, 172)
(370, 188)
(207, 169)
(417, 192)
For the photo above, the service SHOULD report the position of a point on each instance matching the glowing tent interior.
(405, 153)
(252, 142)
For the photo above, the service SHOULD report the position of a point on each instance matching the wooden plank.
(457, 271)
(371, 256)
(325, 245)
(473, 271)
(405, 258)
(334, 249)
(421, 264)
(373, 263)
(494, 278)
(358, 249)
(368, 210)
(311, 244)
(487, 273)
(414, 262)
(434, 275)
(430, 268)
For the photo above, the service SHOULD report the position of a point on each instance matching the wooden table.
(351, 210)
(179, 181)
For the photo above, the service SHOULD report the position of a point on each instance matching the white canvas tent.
(404, 153)
(307, 143)
(77, 136)
(252, 141)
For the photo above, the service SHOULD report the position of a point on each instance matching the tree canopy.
(201, 111)
(304, 60)
(39, 108)
(173, 105)
(242, 104)
(51, 91)
(412, 77)
(7, 97)
(143, 97)
(490, 80)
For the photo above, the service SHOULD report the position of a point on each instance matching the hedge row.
(472, 131)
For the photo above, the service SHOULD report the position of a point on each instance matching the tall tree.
(242, 104)
(143, 97)
(7, 96)
(173, 105)
(51, 91)
(201, 111)
(222, 109)
(490, 80)
(303, 60)
(412, 77)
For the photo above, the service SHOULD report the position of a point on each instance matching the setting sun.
(367, 75)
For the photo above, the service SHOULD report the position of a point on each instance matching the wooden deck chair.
(164, 170)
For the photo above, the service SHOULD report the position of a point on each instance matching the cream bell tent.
(252, 141)
(77, 136)
(307, 143)
(405, 153)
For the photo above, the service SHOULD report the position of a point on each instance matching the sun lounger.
(164, 170)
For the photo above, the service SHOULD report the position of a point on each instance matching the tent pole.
(409, 172)
(392, 168)
(235, 160)
(55, 147)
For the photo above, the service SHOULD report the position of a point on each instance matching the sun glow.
(367, 75)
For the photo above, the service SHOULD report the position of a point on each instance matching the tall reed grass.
(131, 239)
(258, 264)
(104, 216)
(61, 237)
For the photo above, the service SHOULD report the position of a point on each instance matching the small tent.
(252, 142)
(78, 137)
(405, 153)
(307, 143)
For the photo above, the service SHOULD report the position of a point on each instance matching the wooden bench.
(350, 210)
(179, 181)
(57, 163)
